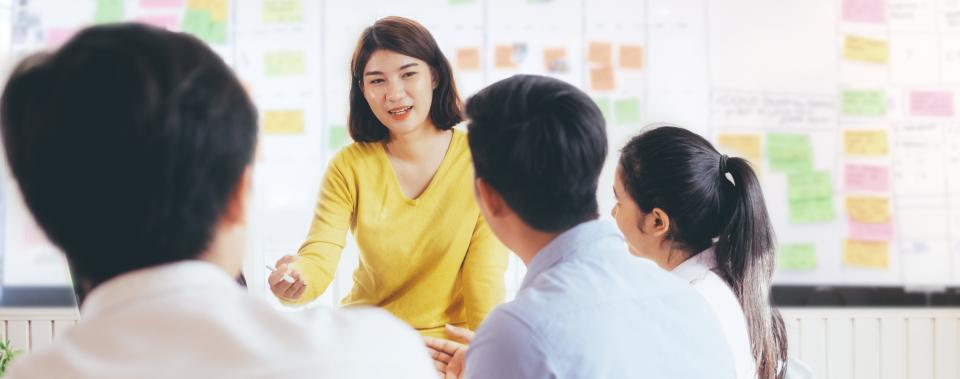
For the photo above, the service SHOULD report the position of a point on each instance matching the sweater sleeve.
(483, 268)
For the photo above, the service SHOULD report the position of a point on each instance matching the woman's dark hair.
(127, 144)
(407, 37)
(681, 173)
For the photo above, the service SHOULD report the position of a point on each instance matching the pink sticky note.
(870, 232)
(160, 3)
(57, 36)
(859, 177)
(866, 11)
(931, 103)
(169, 22)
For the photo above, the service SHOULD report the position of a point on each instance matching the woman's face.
(399, 90)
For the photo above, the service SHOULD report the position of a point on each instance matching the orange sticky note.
(868, 209)
(283, 121)
(555, 60)
(503, 57)
(468, 59)
(601, 79)
(865, 142)
(599, 53)
(866, 254)
(631, 57)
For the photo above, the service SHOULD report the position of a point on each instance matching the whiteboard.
(847, 108)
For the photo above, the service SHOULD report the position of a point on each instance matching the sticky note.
(864, 103)
(283, 122)
(555, 60)
(200, 23)
(743, 145)
(601, 79)
(57, 36)
(809, 185)
(861, 177)
(866, 254)
(865, 49)
(865, 142)
(468, 59)
(284, 63)
(503, 57)
(604, 104)
(865, 11)
(218, 10)
(806, 211)
(797, 256)
(931, 103)
(166, 21)
(627, 111)
(868, 209)
(108, 11)
(281, 11)
(160, 3)
(631, 57)
(600, 53)
(870, 232)
(338, 137)
(789, 152)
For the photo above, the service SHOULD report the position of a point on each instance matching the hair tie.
(723, 164)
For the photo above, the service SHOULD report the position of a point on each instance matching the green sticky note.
(863, 103)
(284, 63)
(808, 211)
(281, 11)
(809, 185)
(200, 23)
(108, 11)
(789, 152)
(797, 256)
(338, 137)
(627, 111)
(604, 104)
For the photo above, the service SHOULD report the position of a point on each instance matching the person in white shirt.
(133, 148)
(701, 215)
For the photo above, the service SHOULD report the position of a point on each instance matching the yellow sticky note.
(866, 254)
(281, 11)
(631, 57)
(218, 10)
(865, 49)
(468, 59)
(284, 63)
(745, 145)
(503, 57)
(283, 122)
(599, 53)
(865, 142)
(868, 209)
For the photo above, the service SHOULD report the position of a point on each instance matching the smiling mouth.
(400, 111)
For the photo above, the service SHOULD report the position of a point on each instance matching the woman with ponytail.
(701, 215)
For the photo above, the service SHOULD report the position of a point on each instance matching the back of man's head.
(540, 144)
(127, 143)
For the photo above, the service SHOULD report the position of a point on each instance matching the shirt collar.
(696, 266)
(148, 283)
(566, 244)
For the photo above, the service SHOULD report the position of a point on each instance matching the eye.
(376, 81)
(409, 74)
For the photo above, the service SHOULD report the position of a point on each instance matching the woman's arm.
(483, 269)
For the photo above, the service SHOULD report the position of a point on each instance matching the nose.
(395, 92)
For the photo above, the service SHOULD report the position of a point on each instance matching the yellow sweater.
(429, 261)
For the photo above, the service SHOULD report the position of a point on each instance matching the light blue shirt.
(587, 308)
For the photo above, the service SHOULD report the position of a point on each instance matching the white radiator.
(838, 343)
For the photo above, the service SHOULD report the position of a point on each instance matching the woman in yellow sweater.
(404, 189)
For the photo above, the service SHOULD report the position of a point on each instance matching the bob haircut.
(407, 37)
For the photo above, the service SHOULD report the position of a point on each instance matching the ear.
(434, 78)
(236, 212)
(489, 200)
(659, 223)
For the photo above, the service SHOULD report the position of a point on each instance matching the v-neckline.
(440, 169)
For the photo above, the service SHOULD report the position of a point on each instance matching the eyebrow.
(404, 67)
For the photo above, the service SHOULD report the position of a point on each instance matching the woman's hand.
(449, 357)
(281, 288)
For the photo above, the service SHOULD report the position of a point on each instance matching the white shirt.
(191, 320)
(589, 309)
(698, 271)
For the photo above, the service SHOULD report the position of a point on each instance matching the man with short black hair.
(587, 308)
(133, 148)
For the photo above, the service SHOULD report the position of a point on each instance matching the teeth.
(401, 111)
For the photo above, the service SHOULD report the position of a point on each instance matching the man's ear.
(236, 212)
(489, 200)
(659, 223)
